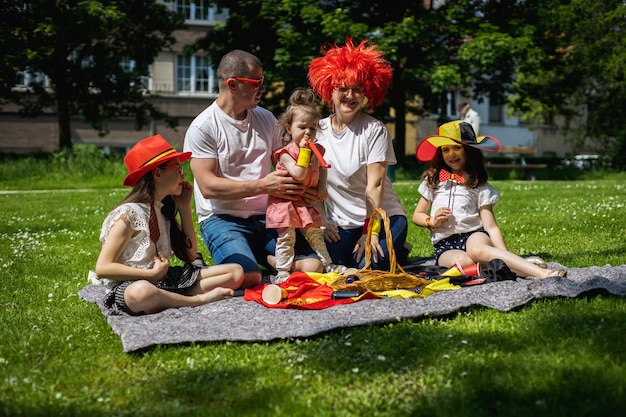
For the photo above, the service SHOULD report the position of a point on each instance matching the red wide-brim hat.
(454, 133)
(148, 154)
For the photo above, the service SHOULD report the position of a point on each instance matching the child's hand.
(311, 195)
(184, 199)
(304, 142)
(160, 267)
(440, 216)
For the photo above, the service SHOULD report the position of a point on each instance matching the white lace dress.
(140, 251)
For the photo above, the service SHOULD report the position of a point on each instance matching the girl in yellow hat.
(456, 202)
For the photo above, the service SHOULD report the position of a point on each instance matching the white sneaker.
(280, 277)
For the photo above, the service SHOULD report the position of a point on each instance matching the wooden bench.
(518, 153)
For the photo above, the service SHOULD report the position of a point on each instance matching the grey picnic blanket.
(238, 320)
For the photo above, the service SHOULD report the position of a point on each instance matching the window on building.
(30, 78)
(199, 10)
(128, 65)
(194, 75)
(454, 111)
(496, 108)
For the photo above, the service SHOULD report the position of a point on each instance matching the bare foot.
(215, 294)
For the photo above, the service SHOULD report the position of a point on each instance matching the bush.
(71, 166)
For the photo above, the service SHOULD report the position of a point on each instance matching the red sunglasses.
(257, 82)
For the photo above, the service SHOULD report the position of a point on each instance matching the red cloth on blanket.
(303, 293)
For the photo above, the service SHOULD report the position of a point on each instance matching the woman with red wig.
(349, 79)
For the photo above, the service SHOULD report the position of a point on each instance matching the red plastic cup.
(471, 270)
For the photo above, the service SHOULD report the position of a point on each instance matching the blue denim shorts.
(246, 242)
(454, 242)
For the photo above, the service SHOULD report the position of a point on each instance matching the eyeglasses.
(177, 167)
(257, 82)
(344, 90)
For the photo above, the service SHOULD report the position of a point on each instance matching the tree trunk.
(63, 120)
(400, 108)
(59, 74)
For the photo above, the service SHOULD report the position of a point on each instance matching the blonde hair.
(303, 100)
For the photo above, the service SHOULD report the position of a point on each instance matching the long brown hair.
(143, 192)
(475, 173)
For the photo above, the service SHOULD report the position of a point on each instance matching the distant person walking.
(469, 115)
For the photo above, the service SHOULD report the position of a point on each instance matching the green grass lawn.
(561, 357)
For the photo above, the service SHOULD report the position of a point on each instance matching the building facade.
(184, 85)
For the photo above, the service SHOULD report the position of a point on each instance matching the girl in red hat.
(456, 202)
(140, 234)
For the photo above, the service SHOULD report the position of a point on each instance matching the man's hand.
(312, 196)
(280, 184)
(377, 250)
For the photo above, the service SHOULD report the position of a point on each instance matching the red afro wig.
(351, 65)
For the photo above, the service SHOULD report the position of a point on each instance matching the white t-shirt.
(464, 203)
(349, 152)
(140, 252)
(472, 117)
(243, 149)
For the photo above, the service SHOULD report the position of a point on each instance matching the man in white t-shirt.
(232, 142)
(469, 115)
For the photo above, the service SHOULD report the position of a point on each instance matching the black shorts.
(457, 241)
(178, 280)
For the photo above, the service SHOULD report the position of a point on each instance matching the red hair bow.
(448, 176)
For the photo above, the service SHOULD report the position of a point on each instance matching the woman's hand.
(377, 250)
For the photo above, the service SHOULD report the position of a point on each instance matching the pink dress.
(287, 213)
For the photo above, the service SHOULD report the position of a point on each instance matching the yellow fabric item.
(430, 289)
(325, 279)
(437, 286)
(304, 158)
(376, 227)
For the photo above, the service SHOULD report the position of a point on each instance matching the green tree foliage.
(568, 58)
(79, 46)
(420, 42)
(549, 57)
